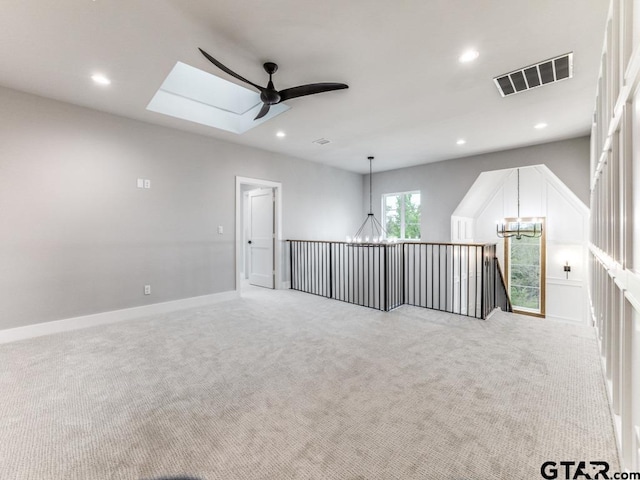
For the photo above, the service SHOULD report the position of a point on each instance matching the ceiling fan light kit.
(269, 95)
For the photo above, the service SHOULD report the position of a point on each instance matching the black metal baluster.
(312, 266)
(453, 278)
(332, 285)
(386, 274)
(431, 269)
(459, 289)
(468, 280)
(394, 282)
(325, 269)
(406, 258)
(370, 276)
(350, 272)
(344, 266)
(356, 284)
(380, 276)
(482, 285)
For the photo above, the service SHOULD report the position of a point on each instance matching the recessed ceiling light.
(100, 79)
(468, 56)
(281, 134)
(461, 141)
(540, 126)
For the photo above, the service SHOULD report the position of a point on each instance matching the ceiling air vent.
(321, 141)
(537, 75)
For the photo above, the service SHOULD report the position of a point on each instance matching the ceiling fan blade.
(263, 111)
(310, 89)
(229, 71)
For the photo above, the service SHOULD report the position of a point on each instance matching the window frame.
(402, 214)
(543, 268)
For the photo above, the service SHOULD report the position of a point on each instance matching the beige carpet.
(286, 385)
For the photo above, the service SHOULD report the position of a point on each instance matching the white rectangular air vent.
(537, 75)
(321, 141)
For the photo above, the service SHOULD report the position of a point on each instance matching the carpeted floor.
(285, 385)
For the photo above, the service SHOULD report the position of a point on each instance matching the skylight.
(197, 96)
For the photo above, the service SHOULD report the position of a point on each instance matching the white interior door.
(261, 237)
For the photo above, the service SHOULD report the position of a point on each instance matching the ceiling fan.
(269, 95)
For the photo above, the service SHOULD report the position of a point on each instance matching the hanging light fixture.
(371, 230)
(519, 229)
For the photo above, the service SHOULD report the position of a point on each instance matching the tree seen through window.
(402, 215)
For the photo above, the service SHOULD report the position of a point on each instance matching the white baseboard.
(85, 321)
(572, 321)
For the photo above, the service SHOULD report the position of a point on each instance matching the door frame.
(277, 250)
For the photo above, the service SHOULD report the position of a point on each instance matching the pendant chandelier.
(519, 229)
(371, 230)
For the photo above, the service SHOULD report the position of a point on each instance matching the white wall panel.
(614, 283)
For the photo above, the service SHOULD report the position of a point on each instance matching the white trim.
(86, 321)
(564, 282)
(278, 221)
(573, 321)
(626, 280)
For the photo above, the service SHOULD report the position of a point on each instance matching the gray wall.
(444, 184)
(77, 236)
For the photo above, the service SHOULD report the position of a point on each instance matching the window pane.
(524, 272)
(392, 215)
(526, 297)
(412, 215)
(401, 215)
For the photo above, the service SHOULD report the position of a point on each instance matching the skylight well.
(197, 96)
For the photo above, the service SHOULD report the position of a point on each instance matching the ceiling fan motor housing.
(270, 96)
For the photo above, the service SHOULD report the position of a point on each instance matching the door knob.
(249, 242)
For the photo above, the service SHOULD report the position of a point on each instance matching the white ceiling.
(409, 98)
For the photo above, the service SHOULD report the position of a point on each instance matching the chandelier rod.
(518, 172)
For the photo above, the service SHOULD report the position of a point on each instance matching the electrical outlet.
(147, 183)
(220, 230)
(147, 289)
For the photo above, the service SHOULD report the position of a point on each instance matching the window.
(525, 271)
(401, 214)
